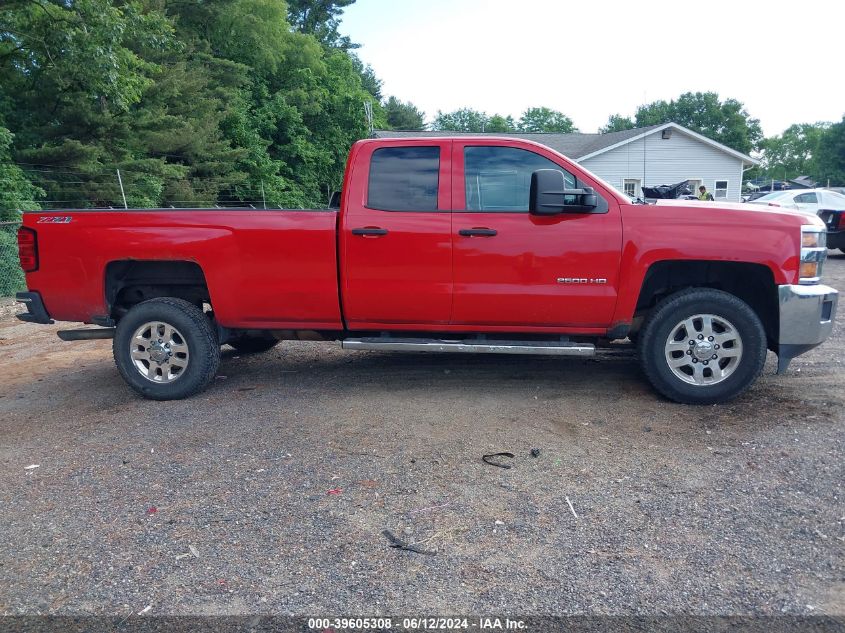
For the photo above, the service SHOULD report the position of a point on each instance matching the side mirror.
(549, 196)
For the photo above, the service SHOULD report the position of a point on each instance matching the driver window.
(499, 178)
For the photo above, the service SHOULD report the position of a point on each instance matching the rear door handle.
(478, 232)
(369, 230)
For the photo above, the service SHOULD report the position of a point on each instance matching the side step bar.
(471, 346)
(89, 334)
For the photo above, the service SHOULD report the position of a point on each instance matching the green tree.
(726, 122)
(320, 18)
(830, 161)
(545, 120)
(403, 116)
(17, 193)
(617, 123)
(499, 123)
(369, 80)
(461, 120)
(794, 152)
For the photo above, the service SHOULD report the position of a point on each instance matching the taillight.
(841, 223)
(28, 249)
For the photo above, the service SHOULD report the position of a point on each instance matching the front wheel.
(166, 349)
(702, 346)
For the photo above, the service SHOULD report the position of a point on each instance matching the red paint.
(279, 269)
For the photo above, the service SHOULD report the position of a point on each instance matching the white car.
(810, 201)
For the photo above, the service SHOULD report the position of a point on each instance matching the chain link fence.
(11, 275)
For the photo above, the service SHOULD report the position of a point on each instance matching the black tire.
(653, 346)
(253, 344)
(194, 330)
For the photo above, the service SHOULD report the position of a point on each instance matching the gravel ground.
(269, 492)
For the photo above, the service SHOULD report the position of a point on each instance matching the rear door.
(396, 248)
(521, 271)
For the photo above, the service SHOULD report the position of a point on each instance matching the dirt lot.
(221, 504)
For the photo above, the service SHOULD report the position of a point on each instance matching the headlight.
(813, 253)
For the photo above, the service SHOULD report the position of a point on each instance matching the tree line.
(812, 149)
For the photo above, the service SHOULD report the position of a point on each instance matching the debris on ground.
(487, 459)
(571, 507)
(334, 491)
(535, 452)
(152, 510)
(32, 467)
(408, 547)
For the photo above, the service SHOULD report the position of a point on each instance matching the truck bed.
(265, 269)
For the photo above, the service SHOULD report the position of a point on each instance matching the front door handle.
(478, 232)
(369, 230)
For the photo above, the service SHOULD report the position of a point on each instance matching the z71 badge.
(54, 219)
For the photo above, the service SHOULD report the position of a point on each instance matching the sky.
(590, 59)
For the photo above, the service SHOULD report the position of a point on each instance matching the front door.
(514, 269)
(396, 245)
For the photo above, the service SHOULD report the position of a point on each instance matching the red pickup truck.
(492, 245)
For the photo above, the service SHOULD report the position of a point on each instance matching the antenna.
(368, 110)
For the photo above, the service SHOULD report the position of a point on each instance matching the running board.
(470, 346)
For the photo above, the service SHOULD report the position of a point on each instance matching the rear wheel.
(166, 349)
(702, 346)
(253, 344)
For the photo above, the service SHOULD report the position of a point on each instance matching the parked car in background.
(810, 201)
(828, 205)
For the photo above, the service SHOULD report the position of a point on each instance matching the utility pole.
(122, 193)
(368, 110)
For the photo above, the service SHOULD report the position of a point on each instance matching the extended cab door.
(513, 269)
(395, 232)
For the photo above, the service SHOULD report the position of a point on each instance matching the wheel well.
(753, 283)
(130, 282)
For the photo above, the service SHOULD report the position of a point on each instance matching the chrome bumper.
(807, 314)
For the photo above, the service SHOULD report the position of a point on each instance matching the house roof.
(578, 146)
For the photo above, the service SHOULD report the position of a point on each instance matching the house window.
(694, 184)
(720, 191)
(632, 187)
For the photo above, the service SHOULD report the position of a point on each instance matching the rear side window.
(806, 198)
(404, 179)
(499, 178)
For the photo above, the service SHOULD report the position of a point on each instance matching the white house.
(651, 156)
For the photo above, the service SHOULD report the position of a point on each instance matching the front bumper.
(35, 310)
(807, 314)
